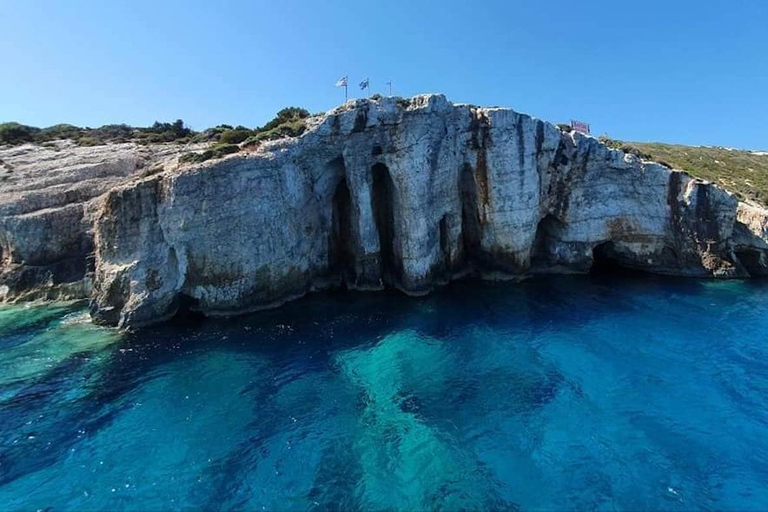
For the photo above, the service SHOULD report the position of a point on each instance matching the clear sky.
(688, 71)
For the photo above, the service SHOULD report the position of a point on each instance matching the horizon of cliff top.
(577, 125)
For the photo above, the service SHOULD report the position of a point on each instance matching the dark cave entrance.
(607, 262)
(604, 260)
(543, 251)
(341, 254)
(384, 216)
(187, 310)
(470, 218)
(751, 259)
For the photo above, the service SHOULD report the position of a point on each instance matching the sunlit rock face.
(406, 194)
(387, 193)
(49, 198)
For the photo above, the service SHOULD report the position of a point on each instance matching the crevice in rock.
(470, 218)
(361, 119)
(445, 249)
(341, 254)
(383, 205)
(673, 190)
(480, 142)
(706, 224)
(544, 243)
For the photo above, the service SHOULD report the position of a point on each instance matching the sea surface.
(566, 393)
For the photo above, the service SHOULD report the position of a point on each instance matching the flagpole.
(346, 94)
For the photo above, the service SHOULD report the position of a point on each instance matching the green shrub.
(214, 152)
(172, 131)
(89, 141)
(289, 122)
(192, 158)
(235, 136)
(632, 150)
(15, 133)
(224, 149)
(285, 116)
(59, 132)
(251, 142)
(113, 132)
(289, 129)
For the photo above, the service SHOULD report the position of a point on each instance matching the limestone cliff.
(391, 193)
(49, 198)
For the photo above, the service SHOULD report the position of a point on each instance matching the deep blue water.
(562, 393)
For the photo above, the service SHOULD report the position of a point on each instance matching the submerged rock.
(407, 194)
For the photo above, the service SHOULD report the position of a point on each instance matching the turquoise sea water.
(563, 393)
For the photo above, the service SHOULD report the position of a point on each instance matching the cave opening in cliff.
(187, 310)
(383, 203)
(543, 250)
(470, 217)
(607, 262)
(342, 260)
(752, 262)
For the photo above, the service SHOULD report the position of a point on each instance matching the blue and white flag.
(364, 84)
(342, 82)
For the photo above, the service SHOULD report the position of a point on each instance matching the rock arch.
(544, 250)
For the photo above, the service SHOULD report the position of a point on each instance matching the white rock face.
(49, 197)
(407, 194)
(395, 193)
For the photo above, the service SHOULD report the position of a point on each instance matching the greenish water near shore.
(556, 393)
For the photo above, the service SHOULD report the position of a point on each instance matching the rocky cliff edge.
(406, 194)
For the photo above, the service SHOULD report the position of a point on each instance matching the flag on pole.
(364, 84)
(342, 82)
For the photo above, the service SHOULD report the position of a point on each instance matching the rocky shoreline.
(386, 193)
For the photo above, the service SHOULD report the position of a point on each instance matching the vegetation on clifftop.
(13, 134)
(289, 122)
(224, 139)
(745, 173)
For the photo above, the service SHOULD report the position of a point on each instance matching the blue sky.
(685, 71)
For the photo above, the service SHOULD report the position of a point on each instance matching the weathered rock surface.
(383, 193)
(49, 197)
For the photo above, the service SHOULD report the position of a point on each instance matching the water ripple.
(562, 393)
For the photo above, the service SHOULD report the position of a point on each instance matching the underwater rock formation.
(405, 194)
